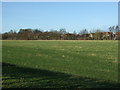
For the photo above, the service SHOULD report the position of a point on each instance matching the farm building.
(117, 35)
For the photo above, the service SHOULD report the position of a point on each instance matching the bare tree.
(84, 31)
(98, 34)
(117, 29)
(62, 31)
(74, 32)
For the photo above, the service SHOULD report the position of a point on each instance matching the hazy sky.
(51, 15)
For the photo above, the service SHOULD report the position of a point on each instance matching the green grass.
(57, 64)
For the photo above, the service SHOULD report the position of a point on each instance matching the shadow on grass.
(22, 77)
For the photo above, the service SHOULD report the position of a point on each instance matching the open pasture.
(60, 63)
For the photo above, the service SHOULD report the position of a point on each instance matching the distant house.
(63, 36)
(117, 35)
(107, 35)
(85, 37)
(70, 36)
(78, 37)
(101, 35)
(92, 35)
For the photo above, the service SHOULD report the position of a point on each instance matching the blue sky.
(50, 15)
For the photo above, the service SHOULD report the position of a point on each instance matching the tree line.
(62, 34)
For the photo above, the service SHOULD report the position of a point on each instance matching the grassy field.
(60, 64)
